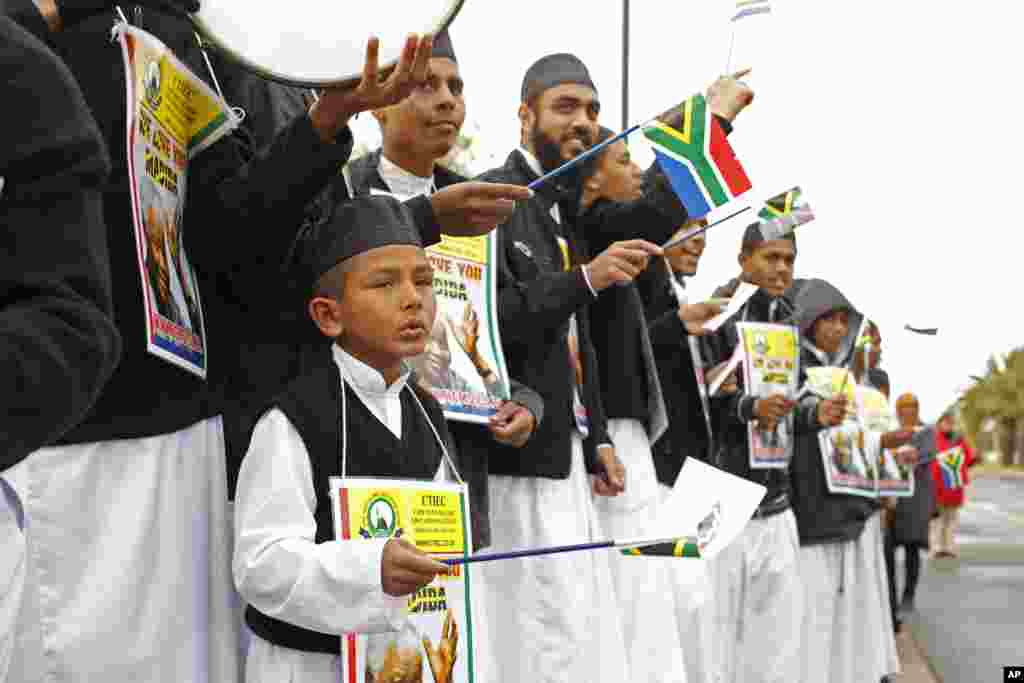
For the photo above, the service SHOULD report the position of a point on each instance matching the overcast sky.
(897, 118)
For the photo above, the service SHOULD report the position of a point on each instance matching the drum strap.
(239, 112)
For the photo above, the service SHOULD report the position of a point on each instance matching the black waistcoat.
(312, 403)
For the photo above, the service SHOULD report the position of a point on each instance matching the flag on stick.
(684, 547)
(747, 8)
(695, 155)
(784, 212)
(559, 549)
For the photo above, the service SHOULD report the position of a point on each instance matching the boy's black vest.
(312, 403)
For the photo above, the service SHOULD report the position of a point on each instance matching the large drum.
(316, 43)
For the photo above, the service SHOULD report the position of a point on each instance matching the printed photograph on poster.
(172, 116)
(433, 642)
(771, 367)
(845, 455)
(875, 415)
(463, 364)
(172, 296)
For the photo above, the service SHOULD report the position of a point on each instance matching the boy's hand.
(404, 569)
(612, 480)
(772, 409)
(832, 412)
(512, 425)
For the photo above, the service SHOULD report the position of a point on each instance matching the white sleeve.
(332, 587)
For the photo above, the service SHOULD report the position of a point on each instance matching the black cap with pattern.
(552, 70)
(356, 227)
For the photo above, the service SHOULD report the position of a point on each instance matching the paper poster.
(464, 365)
(435, 642)
(172, 116)
(707, 509)
(876, 416)
(828, 382)
(771, 366)
(849, 456)
(736, 302)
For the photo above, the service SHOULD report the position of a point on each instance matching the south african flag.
(694, 154)
(953, 465)
(683, 547)
(786, 211)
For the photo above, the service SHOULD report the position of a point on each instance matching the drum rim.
(212, 43)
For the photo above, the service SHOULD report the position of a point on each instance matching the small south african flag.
(746, 8)
(953, 465)
(693, 152)
(683, 547)
(785, 211)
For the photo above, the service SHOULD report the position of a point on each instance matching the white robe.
(693, 591)
(125, 570)
(759, 603)
(644, 586)
(555, 619)
(848, 634)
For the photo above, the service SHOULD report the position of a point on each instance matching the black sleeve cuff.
(724, 123)
(426, 221)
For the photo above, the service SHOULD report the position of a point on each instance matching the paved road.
(970, 617)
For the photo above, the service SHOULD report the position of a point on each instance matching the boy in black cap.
(757, 581)
(357, 414)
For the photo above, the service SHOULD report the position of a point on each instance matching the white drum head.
(316, 43)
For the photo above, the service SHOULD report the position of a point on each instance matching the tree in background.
(998, 396)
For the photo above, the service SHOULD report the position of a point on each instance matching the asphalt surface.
(969, 621)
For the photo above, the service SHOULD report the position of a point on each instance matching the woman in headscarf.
(912, 515)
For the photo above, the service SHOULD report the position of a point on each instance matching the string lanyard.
(446, 458)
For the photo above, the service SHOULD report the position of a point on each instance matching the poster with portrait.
(894, 479)
(434, 642)
(464, 364)
(848, 455)
(172, 116)
(771, 365)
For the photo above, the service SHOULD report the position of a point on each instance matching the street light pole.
(625, 64)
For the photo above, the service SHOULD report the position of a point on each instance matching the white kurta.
(643, 585)
(759, 603)
(847, 634)
(693, 592)
(126, 574)
(332, 587)
(555, 619)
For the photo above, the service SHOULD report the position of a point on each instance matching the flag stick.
(699, 231)
(732, 42)
(586, 155)
(537, 552)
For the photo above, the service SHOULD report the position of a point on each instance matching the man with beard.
(558, 610)
(111, 491)
(758, 594)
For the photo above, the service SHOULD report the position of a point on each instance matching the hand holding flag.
(693, 153)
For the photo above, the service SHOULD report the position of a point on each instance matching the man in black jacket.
(56, 329)
(758, 595)
(545, 288)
